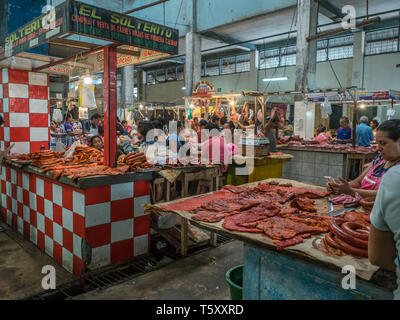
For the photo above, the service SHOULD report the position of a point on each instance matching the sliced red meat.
(234, 189)
(304, 204)
(281, 228)
(282, 244)
(236, 222)
(207, 216)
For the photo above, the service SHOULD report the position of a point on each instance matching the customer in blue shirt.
(364, 134)
(175, 141)
(344, 133)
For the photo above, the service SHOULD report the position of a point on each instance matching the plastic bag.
(57, 115)
(88, 99)
(326, 109)
(70, 152)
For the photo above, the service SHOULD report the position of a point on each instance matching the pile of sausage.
(367, 203)
(93, 170)
(350, 233)
(44, 158)
(135, 161)
(87, 155)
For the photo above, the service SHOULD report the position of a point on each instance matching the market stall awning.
(78, 25)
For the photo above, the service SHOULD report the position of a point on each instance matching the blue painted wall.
(20, 12)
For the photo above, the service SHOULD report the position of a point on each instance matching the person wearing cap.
(364, 134)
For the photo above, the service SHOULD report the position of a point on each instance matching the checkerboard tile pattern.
(64, 221)
(25, 108)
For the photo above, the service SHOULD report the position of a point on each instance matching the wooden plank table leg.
(213, 239)
(167, 191)
(184, 236)
(347, 168)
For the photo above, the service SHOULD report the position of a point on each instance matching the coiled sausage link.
(349, 248)
(335, 228)
(356, 230)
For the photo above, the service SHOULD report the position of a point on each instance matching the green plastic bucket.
(234, 277)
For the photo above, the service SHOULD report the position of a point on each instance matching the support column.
(110, 105)
(358, 60)
(141, 85)
(306, 57)
(254, 61)
(193, 53)
(193, 61)
(306, 63)
(128, 84)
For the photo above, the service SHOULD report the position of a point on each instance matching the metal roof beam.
(217, 36)
(329, 10)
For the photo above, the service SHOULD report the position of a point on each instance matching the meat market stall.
(79, 210)
(297, 262)
(311, 163)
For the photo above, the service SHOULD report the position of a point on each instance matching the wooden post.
(263, 111)
(110, 105)
(184, 236)
(354, 123)
(255, 115)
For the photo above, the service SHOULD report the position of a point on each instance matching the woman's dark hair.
(320, 130)
(215, 118)
(95, 116)
(124, 121)
(92, 139)
(231, 125)
(391, 127)
(376, 123)
(157, 124)
(223, 120)
(67, 116)
(212, 125)
(144, 127)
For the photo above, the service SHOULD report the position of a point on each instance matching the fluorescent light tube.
(275, 79)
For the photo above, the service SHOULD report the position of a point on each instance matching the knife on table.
(338, 212)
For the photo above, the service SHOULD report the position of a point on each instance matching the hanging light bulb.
(362, 106)
(88, 80)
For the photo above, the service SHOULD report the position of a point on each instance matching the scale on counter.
(260, 146)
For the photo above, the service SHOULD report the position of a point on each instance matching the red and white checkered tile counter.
(97, 226)
(25, 108)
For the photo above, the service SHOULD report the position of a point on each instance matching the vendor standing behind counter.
(270, 132)
(364, 134)
(344, 133)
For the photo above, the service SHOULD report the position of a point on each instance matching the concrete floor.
(199, 277)
(21, 265)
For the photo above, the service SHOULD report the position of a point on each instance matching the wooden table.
(363, 157)
(304, 271)
(205, 176)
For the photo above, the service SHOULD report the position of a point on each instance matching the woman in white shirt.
(384, 238)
